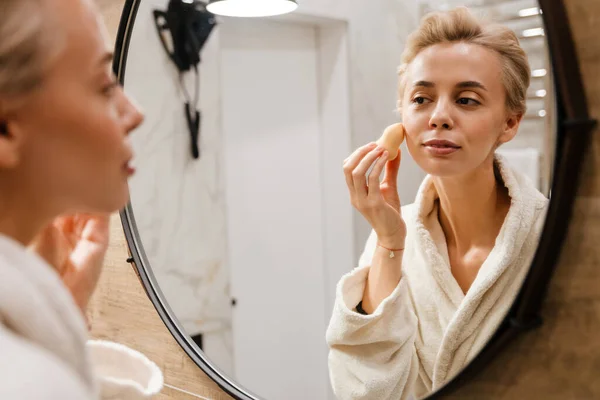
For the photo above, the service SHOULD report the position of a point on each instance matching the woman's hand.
(378, 202)
(75, 246)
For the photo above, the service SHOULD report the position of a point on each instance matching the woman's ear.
(9, 143)
(510, 128)
(398, 109)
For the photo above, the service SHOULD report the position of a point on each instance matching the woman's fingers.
(359, 153)
(95, 228)
(390, 178)
(375, 174)
(352, 161)
(46, 244)
(359, 175)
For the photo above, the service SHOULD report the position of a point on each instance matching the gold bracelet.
(392, 251)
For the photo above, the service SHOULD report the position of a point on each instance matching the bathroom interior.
(235, 239)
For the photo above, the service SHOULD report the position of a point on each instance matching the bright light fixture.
(533, 32)
(528, 12)
(251, 8)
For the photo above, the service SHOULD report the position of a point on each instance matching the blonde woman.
(64, 167)
(438, 276)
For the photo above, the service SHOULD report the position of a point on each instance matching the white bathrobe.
(44, 350)
(427, 330)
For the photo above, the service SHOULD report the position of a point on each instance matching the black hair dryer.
(189, 25)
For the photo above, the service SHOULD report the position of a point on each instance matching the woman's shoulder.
(31, 372)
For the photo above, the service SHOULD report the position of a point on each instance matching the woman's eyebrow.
(426, 84)
(106, 58)
(470, 84)
(461, 85)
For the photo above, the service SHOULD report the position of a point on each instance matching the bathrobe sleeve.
(372, 357)
(123, 373)
(29, 372)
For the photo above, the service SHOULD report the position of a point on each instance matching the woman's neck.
(472, 207)
(19, 219)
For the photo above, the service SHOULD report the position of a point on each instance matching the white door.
(274, 207)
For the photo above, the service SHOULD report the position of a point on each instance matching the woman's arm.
(75, 247)
(379, 203)
(372, 356)
(384, 274)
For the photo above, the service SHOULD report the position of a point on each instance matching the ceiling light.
(251, 8)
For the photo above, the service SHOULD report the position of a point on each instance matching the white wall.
(274, 190)
(377, 30)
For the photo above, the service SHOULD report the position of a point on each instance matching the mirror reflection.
(343, 201)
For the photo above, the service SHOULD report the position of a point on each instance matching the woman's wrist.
(394, 243)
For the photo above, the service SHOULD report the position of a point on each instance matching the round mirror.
(293, 261)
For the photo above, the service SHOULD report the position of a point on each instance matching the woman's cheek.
(412, 145)
(413, 127)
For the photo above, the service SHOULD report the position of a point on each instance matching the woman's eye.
(107, 90)
(419, 100)
(467, 101)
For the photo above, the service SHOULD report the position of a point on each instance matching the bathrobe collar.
(526, 200)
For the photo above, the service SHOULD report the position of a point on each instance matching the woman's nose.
(132, 115)
(441, 118)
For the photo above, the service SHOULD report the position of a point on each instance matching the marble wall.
(177, 200)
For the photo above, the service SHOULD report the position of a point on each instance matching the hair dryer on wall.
(183, 30)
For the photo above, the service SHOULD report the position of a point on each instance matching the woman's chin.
(122, 201)
(440, 167)
(108, 205)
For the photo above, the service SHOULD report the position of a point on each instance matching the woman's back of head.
(28, 43)
(64, 119)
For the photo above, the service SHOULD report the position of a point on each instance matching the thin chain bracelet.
(392, 251)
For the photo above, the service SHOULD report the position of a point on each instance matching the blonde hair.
(460, 25)
(27, 44)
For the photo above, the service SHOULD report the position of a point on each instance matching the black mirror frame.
(574, 130)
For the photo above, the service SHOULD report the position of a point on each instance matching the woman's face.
(453, 108)
(70, 135)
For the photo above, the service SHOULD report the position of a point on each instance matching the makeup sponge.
(392, 138)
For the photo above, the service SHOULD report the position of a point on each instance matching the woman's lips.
(129, 168)
(440, 147)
